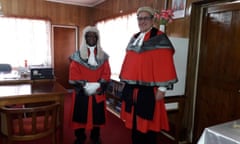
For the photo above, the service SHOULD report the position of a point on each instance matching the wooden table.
(33, 92)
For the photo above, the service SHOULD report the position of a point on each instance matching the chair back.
(5, 68)
(31, 123)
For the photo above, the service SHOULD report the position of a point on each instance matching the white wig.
(84, 47)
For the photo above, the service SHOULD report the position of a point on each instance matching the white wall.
(180, 59)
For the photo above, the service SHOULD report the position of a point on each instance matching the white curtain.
(25, 39)
(115, 35)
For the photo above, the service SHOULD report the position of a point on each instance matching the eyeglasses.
(144, 18)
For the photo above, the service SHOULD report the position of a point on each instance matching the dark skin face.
(91, 38)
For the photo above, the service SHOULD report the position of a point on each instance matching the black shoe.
(77, 141)
(96, 141)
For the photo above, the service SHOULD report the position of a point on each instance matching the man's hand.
(159, 95)
(161, 91)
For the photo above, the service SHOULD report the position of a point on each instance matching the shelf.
(114, 97)
(113, 112)
(113, 105)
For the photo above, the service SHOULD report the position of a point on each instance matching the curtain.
(25, 40)
(115, 35)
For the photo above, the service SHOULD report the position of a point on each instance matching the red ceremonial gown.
(152, 66)
(80, 70)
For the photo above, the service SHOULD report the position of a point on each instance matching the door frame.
(52, 37)
(196, 24)
(63, 79)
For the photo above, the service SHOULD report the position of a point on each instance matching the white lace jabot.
(91, 58)
(139, 39)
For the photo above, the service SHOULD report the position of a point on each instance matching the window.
(24, 39)
(115, 35)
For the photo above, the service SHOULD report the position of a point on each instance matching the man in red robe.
(89, 75)
(148, 71)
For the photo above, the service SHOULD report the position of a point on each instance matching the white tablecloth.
(226, 133)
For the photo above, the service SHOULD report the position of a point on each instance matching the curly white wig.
(84, 47)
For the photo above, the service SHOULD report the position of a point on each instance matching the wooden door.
(218, 85)
(65, 43)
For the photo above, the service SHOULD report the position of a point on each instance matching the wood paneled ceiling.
(87, 3)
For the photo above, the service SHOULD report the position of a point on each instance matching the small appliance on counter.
(41, 72)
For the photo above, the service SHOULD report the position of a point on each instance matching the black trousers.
(142, 138)
(94, 135)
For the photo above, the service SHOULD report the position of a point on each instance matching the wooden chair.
(31, 123)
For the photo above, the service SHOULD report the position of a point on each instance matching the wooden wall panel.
(59, 14)
(113, 8)
(81, 16)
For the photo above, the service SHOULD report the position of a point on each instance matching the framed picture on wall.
(178, 7)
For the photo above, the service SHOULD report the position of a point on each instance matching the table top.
(13, 78)
(33, 88)
(226, 133)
